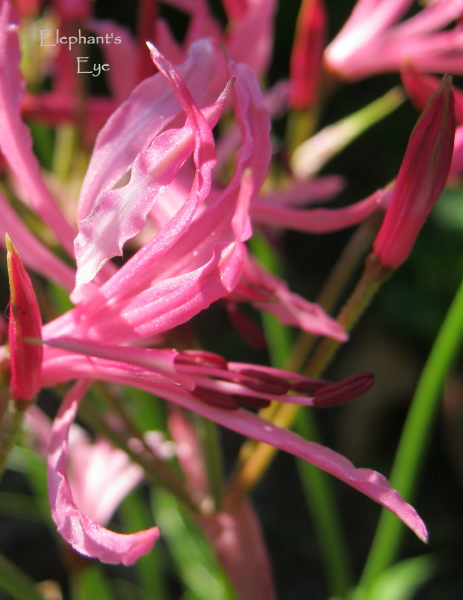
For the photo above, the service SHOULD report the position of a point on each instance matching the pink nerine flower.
(421, 178)
(373, 41)
(197, 257)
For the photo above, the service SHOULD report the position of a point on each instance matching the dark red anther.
(343, 391)
(263, 382)
(309, 386)
(251, 401)
(214, 398)
(201, 358)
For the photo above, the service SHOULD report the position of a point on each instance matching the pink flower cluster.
(159, 131)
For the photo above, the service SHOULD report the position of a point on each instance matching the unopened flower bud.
(421, 178)
(306, 56)
(25, 322)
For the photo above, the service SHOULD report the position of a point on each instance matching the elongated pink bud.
(421, 179)
(343, 391)
(306, 56)
(25, 322)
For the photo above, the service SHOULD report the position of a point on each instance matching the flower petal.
(267, 292)
(368, 482)
(315, 220)
(15, 140)
(118, 215)
(148, 111)
(84, 534)
(36, 256)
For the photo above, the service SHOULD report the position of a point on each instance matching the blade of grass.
(195, 560)
(321, 503)
(90, 583)
(319, 495)
(137, 516)
(415, 436)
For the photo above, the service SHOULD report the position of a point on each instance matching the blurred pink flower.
(374, 41)
(306, 55)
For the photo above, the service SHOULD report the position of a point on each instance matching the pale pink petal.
(161, 361)
(84, 534)
(15, 140)
(34, 255)
(315, 220)
(55, 107)
(456, 167)
(370, 43)
(100, 476)
(167, 44)
(368, 19)
(120, 214)
(249, 38)
(303, 192)
(151, 107)
(188, 264)
(237, 538)
(267, 292)
(122, 56)
(189, 453)
(202, 24)
(38, 429)
(434, 16)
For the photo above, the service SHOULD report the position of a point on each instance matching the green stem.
(315, 152)
(320, 499)
(348, 317)
(323, 506)
(209, 437)
(10, 428)
(336, 285)
(411, 451)
(156, 470)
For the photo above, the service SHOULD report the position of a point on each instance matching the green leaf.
(196, 562)
(137, 516)
(16, 583)
(401, 581)
(449, 210)
(91, 583)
